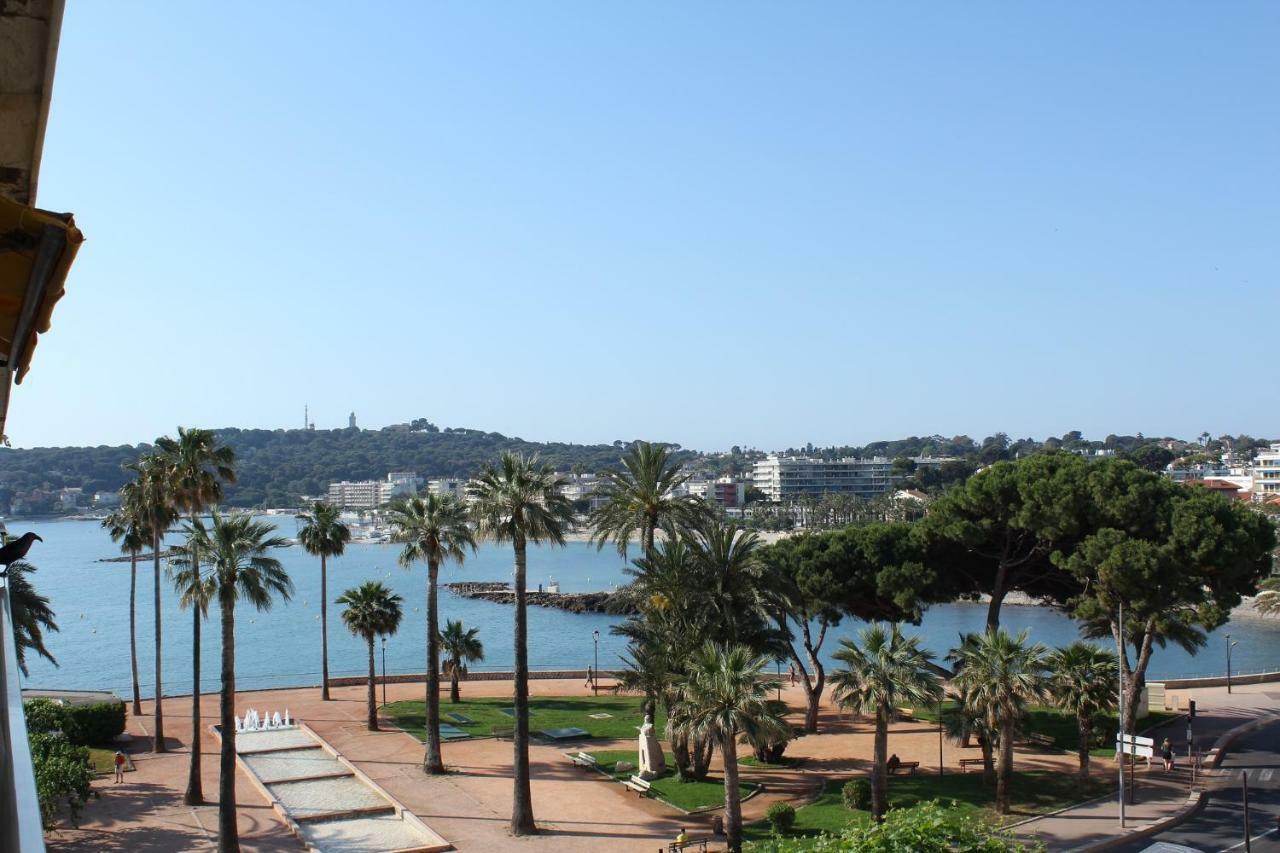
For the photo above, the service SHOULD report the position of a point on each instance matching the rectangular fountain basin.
(326, 796)
(285, 765)
(247, 742)
(364, 834)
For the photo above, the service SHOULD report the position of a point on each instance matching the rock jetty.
(571, 602)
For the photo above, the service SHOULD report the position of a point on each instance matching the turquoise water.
(281, 648)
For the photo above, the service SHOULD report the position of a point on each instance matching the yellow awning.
(36, 251)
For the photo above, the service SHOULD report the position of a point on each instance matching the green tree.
(460, 646)
(372, 609)
(1000, 676)
(726, 698)
(1178, 558)
(199, 466)
(433, 529)
(235, 552)
(995, 533)
(1084, 682)
(63, 775)
(195, 590)
(641, 498)
(151, 488)
(31, 614)
(881, 672)
(127, 525)
(520, 501)
(324, 535)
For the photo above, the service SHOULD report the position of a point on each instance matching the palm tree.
(372, 609)
(1000, 675)
(521, 501)
(1084, 681)
(127, 526)
(152, 491)
(199, 465)
(30, 613)
(235, 551)
(642, 497)
(324, 535)
(726, 698)
(433, 529)
(883, 671)
(462, 647)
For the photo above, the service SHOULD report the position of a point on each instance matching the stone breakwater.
(571, 602)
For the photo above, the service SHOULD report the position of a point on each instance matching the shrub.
(781, 816)
(63, 775)
(45, 716)
(97, 724)
(857, 794)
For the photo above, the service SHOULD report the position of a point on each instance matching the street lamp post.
(1230, 646)
(595, 673)
(384, 669)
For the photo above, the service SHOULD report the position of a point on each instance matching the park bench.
(640, 786)
(905, 715)
(966, 763)
(584, 760)
(699, 844)
(1042, 740)
(908, 767)
(460, 719)
(501, 732)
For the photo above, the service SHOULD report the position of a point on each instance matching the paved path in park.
(1160, 795)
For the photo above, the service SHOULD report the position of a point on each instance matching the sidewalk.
(1160, 797)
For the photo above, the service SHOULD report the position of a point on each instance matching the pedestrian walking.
(1166, 753)
(119, 762)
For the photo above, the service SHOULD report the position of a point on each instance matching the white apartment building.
(448, 487)
(362, 494)
(785, 478)
(1266, 473)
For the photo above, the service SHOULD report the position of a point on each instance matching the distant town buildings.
(370, 494)
(448, 487)
(1234, 474)
(1266, 473)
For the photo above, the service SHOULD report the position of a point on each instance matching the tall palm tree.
(642, 497)
(152, 487)
(372, 610)
(1084, 682)
(433, 529)
(235, 552)
(31, 614)
(521, 501)
(1000, 676)
(324, 535)
(461, 646)
(726, 698)
(199, 465)
(127, 525)
(881, 672)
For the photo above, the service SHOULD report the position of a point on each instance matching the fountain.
(265, 721)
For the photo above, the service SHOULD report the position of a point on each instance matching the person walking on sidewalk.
(119, 763)
(1166, 753)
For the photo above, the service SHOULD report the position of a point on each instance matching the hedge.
(85, 725)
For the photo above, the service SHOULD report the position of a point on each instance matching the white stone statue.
(652, 761)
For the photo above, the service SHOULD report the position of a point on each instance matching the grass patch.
(689, 796)
(102, 759)
(1034, 792)
(1058, 724)
(549, 712)
(752, 761)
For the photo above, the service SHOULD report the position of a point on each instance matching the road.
(1220, 825)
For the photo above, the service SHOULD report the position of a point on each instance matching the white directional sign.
(1143, 747)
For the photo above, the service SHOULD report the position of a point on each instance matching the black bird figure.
(16, 550)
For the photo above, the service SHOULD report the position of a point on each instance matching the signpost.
(1143, 747)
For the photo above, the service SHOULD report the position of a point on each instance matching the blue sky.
(717, 223)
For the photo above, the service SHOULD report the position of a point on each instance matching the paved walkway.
(1160, 795)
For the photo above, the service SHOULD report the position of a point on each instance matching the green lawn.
(1059, 725)
(686, 795)
(750, 760)
(102, 758)
(549, 712)
(1034, 792)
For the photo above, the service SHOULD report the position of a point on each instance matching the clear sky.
(713, 223)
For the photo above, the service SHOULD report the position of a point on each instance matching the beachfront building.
(362, 494)
(455, 487)
(724, 492)
(783, 479)
(1266, 473)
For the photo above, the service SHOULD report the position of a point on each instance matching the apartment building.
(1266, 473)
(786, 478)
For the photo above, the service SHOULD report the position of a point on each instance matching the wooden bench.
(640, 786)
(966, 763)
(1041, 740)
(905, 715)
(699, 844)
(908, 766)
(584, 760)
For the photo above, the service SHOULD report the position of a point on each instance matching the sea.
(281, 647)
